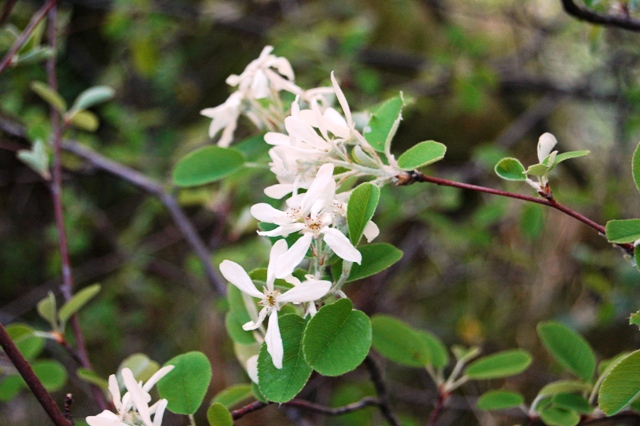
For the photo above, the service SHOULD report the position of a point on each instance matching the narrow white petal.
(269, 214)
(545, 144)
(253, 325)
(278, 191)
(318, 186)
(273, 138)
(371, 231)
(292, 258)
(283, 231)
(279, 248)
(237, 276)
(106, 418)
(157, 418)
(306, 291)
(114, 389)
(342, 100)
(341, 245)
(138, 396)
(156, 377)
(252, 368)
(274, 340)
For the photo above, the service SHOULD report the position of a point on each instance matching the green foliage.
(623, 231)
(186, 385)
(219, 415)
(206, 165)
(76, 303)
(501, 364)
(92, 377)
(422, 154)
(51, 373)
(362, 205)
(37, 158)
(635, 166)
(499, 400)
(29, 344)
(233, 395)
(400, 343)
(50, 96)
(384, 122)
(337, 339)
(568, 348)
(621, 386)
(140, 365)
(555, 416)
(510, 169)
(375, 258)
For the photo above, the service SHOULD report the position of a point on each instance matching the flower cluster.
(133, 408)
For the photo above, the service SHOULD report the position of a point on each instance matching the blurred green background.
(484, 77)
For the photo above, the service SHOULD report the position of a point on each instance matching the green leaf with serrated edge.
(30, 345)
(634, 319)
(337, 339)
(362, 204)
(554, 416)
(92, 377)
(572, 402)
(140, 365)
(233, 395)
(375, 258)
(10, 387)
(621, 386)
(186, 385)
(499, 400)
(635, 166)
(78, 300)
(421, 154)
(569, 348)
(257, 394)
(92, 96)
(235, 330)
(37, 158)
(47, 310)
(564, 386)
(537, 170)
(501, 364)
(51, 373)
(569, 155)
(219, 415)
(510, 169)
(438, 355)
(623, 231)
(206, 165)
(606, 365)
(281, 385)
(383, 123)
(398, 342)
(50, 96)
(85, 120)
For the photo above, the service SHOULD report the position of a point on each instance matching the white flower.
(546, 142)
(225, 117)
(270, 298)
(133, 409)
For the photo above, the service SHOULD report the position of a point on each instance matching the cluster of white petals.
(133, 408)
(546, 143)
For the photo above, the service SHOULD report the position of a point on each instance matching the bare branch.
(618, 21)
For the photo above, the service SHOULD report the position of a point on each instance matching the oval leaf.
(554, 416)
(623, 231)
(219, 415)
(50, 96)
(438, 355)
(499, 400)
(510, 169)
(502, 364)
(384, 123)
(141, 366)
(337, 339)
(362, 204)
(572, 402)
(235, 330)
(621, 386)
(93, 96)
(375, 258)
(30, 345)
(85, 120)
(635, 166)
(186, 385)
(51, 373)
(92, 377)
(421, 155)
(206, 165)
(10, 386)
(233, 395)
(397, 341)
(281, 385)
(564, 386)
(569, 155)
(569, 348)
(76, 303)
(47, 310)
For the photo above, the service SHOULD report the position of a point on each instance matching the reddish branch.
(307, 405)
(25, 370)
(623, 21)
(381, 388)
(35, 20)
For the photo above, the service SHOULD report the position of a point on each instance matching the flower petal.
(274, 340)
(253, 325)
(306, 291)
(106, 418)
(371, 231)
(269, 214)
(114, 389)
(342, 100)
(283, 231)
(279, 248)
(252, 368)
(139, 397)
(156, 377)
(237, 276)
(278, 190)
(292, 258)
(159, 410)
(545, 144)
(341, 245)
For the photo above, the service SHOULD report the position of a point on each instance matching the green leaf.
(623, 231)
(564, 386)
(233, 395)
(140, 365)
(37, 158)
(572, 402)
(206, 165)
(85, 120)
(362, 204)
(236, 304)
(186, 385)
(510, 169)
(235, 330)
(502, 364)
(10, 387)
(47, 310)
(438, 355)
(384, 123)
(499, 400)
(554, 416)
(537, 170)
(337, 339)
(281, 385)
(569, 348)
(634, 319)
(33, 56)
(375, 258)
(569, 155)
(621, 386)
(51, 373)
(219, 415)
(92, 377)
(398, 342)
(28, 343)
(76, 303)
(50, 96)
(421, 155)
(92, 96)
(635, 166)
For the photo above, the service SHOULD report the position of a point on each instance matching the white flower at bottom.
(133, 409)
(271, 299)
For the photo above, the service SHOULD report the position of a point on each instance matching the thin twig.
(35, 20)
(22, 365)
(619, 21)
(381, 388)
(311, 406)
(437, 410)
(249, 408)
